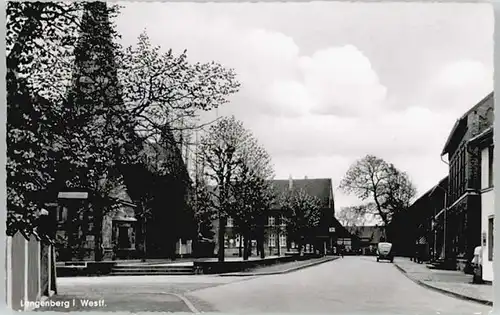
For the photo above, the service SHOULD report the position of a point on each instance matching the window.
(490, 239)
(271, 221)
(283, 221)
(229, 222)
(490, 166)
(282, 240)
(272, 240)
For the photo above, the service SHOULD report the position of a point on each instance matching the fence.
(31, 271)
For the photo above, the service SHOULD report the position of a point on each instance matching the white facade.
(487, 214)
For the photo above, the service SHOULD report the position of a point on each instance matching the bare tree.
(372, 178)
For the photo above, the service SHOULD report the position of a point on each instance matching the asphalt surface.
(353, 285)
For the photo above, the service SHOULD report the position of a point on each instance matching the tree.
(31, 28)
(355, 217)
(252, 196)
(165, 92)
(302, 214)
(231, 156)
(96, 130)
(390, 189)
(203, 208)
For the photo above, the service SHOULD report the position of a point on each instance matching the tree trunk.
(98, 210)
(222, 230)
(240, 253)
(144, 239)
(246, 247)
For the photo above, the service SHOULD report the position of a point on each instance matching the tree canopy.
(387, 189)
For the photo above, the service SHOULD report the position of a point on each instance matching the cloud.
(276, 78)
(320, 92)
(415, 131)
(458, 85)
(341, 81)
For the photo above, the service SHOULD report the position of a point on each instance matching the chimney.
(290, 182)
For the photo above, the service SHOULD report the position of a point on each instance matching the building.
(276, 242)
(419, 223)
(463, 213)
(125, 229)
(364, 239)
(77, 231)
(484, 143)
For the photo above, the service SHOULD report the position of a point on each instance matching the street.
(349, 285)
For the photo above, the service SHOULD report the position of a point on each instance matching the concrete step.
(152, 270)
(131, 267)
(150, 274)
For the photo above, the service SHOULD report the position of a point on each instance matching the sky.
(326, 83)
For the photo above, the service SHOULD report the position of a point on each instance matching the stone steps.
(136, 270)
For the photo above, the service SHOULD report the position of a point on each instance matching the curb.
(443, 291)
(253, 274)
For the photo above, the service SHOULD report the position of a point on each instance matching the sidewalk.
(281, 268)
(450, 282)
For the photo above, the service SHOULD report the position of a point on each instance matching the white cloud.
(341, 81)
(319, 108)
(458, 85)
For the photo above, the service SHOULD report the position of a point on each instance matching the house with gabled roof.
(463, 210)
(324, 238)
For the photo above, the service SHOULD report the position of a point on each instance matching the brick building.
(419, 222)
(484, 142)
(276, 241)
(463, 213)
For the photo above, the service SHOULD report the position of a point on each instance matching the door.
(123, 238)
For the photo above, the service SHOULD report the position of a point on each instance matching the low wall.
(216, 267)
(85, 269)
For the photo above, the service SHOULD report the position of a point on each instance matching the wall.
(29, 271)
(487, 211)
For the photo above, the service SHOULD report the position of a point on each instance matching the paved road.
(133, 293)
(356, 285)
(353, 285)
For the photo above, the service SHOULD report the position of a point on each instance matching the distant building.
(364, 239)
(275, 239)
(420, 223)
(463, 214)
(484, 143)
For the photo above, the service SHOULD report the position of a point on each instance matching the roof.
(442, 185)
(483, 136)
(317, 187)
(461, 123)
(373, 233)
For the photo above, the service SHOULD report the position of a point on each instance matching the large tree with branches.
(302, 214)
(388, 189)
(237, 166)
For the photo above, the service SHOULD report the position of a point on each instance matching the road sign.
(331, 230)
